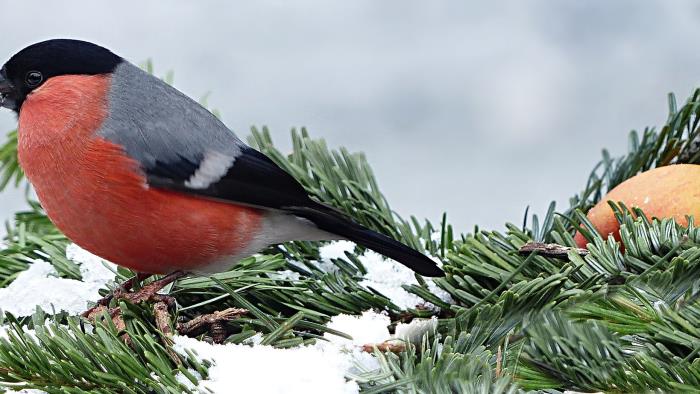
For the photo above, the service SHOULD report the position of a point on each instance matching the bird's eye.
(33, 79)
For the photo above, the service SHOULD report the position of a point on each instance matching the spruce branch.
(622, 317)
(55, 358)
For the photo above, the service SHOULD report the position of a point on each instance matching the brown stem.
(550, 250)
(213, 322)
(162, 316)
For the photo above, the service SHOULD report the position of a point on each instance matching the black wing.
(252, 179)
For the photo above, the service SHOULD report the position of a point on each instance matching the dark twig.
(550, 250)
(162, 317)
(212, 322)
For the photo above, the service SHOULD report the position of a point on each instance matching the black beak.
(6, 90)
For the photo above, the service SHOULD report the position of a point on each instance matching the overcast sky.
(474, 108)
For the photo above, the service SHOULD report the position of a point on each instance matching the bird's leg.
(213, 323)
(125, 287)
(146, 293)
(117, 292)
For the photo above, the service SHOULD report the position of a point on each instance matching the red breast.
(99, 198)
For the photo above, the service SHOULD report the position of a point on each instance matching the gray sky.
(474, 108)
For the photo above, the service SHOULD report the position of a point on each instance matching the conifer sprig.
(622, 318)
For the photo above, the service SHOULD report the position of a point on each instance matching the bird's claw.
(119, 292)
(213, 324)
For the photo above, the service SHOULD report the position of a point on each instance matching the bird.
(136, 172)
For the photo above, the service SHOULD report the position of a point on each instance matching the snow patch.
(336, 250)
(384, 275)
(93, 269)
(307, 369)
(387, 276)
(331, 251)
(414, 331)
(320, 368)
(40, 285)
(370, 327)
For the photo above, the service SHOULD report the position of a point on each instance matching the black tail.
(330, 220)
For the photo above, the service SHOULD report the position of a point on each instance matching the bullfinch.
(136, 172)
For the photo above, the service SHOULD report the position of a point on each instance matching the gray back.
(157, 123)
